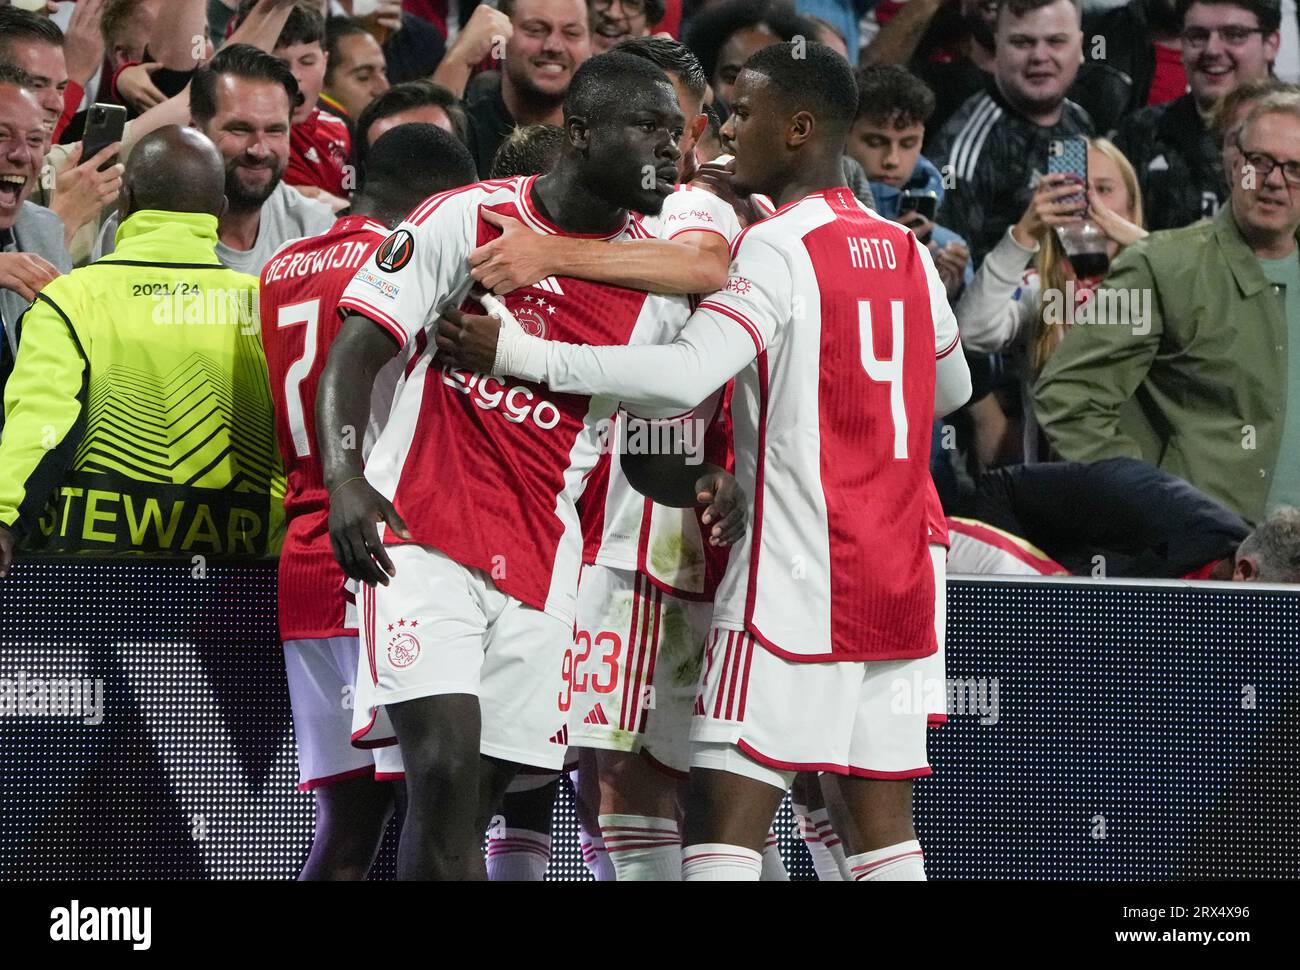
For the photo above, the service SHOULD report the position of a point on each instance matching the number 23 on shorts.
(611, 644)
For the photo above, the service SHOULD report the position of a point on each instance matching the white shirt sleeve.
(997, 306)
(952, 383)
(420, 269)
(655, 381)
(695, 210)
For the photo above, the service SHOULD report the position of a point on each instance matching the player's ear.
(1246, 570)
(800, 129)
(696, 128)
(579, 133)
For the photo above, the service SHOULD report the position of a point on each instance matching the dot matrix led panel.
(1096, 732)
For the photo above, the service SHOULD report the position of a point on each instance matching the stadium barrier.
(1098, 731)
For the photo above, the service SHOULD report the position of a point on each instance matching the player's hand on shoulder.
(355, 509)
(468, 340)
(516, 258)
(728, 507)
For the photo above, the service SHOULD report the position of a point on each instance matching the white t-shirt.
(286, 215)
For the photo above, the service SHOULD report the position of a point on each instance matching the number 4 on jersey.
(888, 371)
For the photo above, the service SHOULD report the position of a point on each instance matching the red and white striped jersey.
(320, 149)
(935, 520)
(832, 428)
(489, 470)
(979, 549)
(301, 286)
(621, 527)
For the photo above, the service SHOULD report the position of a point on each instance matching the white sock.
(827, 868)
(773, 864)
(894, 863)
(822, 820)
(596, 857)
(717, 862)
(520, 855)
(643, 849)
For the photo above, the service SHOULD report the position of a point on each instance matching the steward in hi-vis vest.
(138, 416)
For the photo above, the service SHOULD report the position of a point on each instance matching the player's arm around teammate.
(695, 262)
(674, 481)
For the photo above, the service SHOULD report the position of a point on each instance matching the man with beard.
(549, 39)
(243, 100)
(996, 144)
(1225, 42)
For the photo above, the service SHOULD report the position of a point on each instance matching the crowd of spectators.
(1182, 352)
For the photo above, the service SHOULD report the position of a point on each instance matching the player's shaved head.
(605, 84)
(409, 164)
(792, 107)
(623, 124)
(175, 169)
(811, 77)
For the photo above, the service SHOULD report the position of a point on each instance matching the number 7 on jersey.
(293, 315)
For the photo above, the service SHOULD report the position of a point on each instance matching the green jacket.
(1185, 366)
(138, 417)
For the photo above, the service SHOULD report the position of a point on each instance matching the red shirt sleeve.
(72, 96)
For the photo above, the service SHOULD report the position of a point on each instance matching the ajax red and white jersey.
(489, 470)
(832, 427)
(692, 209)
(935, 521)
(979, 549)
(301, 286)
(624, 529)
(320, 149)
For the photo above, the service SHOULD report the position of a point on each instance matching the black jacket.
(995, 154)
(1120, 65)
(1144, 522)
(1176, 161)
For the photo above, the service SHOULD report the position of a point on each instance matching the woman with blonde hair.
(1026, 293)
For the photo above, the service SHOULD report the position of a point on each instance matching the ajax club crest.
(533, 314)
(404, 645)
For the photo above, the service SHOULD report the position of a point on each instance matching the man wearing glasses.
(614, 21)
(1224, 42)
(1192, 358)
